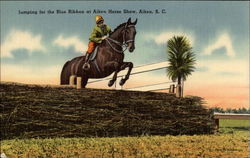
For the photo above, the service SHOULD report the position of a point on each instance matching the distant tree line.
(230, 110)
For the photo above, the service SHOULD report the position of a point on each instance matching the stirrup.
(86, 66)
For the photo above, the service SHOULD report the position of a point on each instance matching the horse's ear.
(126, 25)
(135, 22)
(129, 21)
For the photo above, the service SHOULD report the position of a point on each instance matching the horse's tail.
(65, 74)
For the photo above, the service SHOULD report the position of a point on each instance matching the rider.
(98, 34)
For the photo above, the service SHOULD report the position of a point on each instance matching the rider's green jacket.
(98, 32)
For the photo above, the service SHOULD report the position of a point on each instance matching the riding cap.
(98, 18)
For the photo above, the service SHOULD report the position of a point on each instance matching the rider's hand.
(104, 37)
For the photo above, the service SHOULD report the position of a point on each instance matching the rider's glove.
(104, 37)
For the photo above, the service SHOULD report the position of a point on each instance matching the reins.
(122, 44)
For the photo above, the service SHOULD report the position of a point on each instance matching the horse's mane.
(121, 25)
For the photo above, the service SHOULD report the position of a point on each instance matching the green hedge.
(36, 111)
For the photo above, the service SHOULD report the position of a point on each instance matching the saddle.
(93, 57)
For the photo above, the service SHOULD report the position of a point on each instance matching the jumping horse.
(109, 58)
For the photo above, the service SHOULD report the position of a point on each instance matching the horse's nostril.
(131, 49)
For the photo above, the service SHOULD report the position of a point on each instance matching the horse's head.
(129, 34)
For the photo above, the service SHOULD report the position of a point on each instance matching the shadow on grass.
(227, 130)
(240, 128)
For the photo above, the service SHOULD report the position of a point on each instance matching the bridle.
(122, 44)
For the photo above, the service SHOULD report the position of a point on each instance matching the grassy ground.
(241, 127)
(230, 142)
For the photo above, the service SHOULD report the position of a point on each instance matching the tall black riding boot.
(86, 65)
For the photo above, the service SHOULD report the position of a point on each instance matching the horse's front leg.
(130, 67)
(116, 67)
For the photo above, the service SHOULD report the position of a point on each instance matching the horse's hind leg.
(130, 67)
(84, 82)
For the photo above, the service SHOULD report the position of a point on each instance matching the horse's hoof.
(111, 82)
(122, 82)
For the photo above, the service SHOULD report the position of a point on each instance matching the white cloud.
(223, 41)
(229, 66)
(18, 39)
(29, 74)
(67, 42)
(163, 37)
(233, 71)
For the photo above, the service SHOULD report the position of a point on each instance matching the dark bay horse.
(109, 57)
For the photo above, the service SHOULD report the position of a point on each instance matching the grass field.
(230, 142)
(235, 126)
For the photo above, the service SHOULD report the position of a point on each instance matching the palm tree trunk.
(179, 88)
(179, 80)
(182, 88)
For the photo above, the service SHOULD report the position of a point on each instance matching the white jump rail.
(218, 116)
(232, 116)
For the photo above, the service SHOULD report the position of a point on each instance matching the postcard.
(124, 78)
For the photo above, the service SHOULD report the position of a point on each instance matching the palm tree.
(181, 60)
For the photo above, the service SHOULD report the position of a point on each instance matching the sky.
(34, 47)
